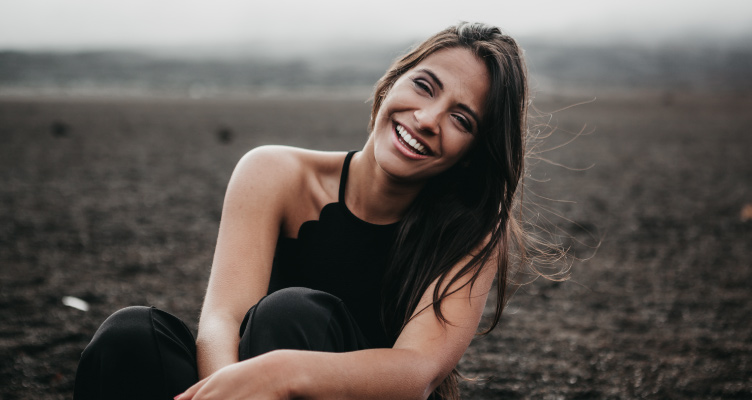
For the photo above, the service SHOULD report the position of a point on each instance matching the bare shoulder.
(290, 171)
(288, 164)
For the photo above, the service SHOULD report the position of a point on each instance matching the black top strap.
(343, 178)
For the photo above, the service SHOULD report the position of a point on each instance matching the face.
(430, 117)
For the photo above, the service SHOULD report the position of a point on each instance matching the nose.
(428, 119)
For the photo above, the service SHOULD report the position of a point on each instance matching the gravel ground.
(117, 202)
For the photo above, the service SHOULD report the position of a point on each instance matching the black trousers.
(145, 353)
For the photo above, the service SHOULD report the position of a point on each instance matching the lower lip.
(402, 148)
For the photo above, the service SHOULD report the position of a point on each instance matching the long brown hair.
(470, 206)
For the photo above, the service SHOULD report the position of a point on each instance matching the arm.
(251, 217)
(424, 354)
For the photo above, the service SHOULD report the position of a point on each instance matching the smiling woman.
(428, 115)
(358, 275)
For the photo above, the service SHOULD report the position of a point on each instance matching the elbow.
(431, 387)
(429, 377)
(450, 378)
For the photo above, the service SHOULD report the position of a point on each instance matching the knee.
(293, 318)
(125, 332)
(296, 304)
(294, 307)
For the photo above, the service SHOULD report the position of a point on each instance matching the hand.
(259, 378)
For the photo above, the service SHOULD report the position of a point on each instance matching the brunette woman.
(358, 275)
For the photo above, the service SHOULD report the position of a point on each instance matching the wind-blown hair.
(468, 209)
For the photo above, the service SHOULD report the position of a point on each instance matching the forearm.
(365, 374)
(216, 345)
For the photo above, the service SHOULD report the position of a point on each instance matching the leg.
(137, 353)
(300, 319)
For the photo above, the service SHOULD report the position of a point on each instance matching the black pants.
(145, 353)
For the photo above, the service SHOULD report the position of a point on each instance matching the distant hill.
(553, 67)
(665, 67)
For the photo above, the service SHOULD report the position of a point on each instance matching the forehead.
(463, 75)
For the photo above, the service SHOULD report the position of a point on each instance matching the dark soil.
(117, 202)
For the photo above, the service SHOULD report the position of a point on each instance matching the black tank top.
(342, 255)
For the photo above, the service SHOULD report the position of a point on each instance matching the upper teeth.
(410, 140)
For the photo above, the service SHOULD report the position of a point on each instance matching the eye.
(464, 123)
(422, 85)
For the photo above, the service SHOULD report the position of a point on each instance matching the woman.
(366, 273)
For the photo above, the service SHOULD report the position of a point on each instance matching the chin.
(394, 167)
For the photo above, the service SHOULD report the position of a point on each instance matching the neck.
(374, 196)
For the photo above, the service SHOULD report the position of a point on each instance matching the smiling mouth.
(410, 142)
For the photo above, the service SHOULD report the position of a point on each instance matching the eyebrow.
(463, 106)
(433, 76)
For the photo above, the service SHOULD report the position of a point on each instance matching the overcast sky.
(96, 24)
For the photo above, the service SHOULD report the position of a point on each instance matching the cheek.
(388, 108)
(400, 97)
(384, 110)
(460, 145)
(381, 121)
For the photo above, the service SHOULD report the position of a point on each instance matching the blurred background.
(121, 122)
(232, 47)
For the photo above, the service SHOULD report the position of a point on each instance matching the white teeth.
(407, 138)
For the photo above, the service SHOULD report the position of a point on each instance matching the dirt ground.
(117, 202)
